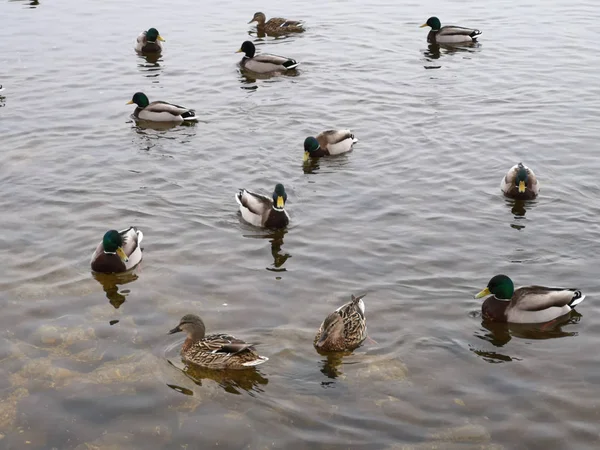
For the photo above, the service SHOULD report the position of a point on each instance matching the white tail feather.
(577, 301)
(256, 362)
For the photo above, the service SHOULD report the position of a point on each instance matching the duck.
(528, 304)
(215, 351)
(149, 41)
(262, 211)
(264, 63)
(520, 183)
(118, 252)
(344, 329)
(328, 142)
(160, 111)
(276, 25)
(450, 34)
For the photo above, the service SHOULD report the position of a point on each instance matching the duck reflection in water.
(110, 283)
(150, 66)
(276, 240)
(435, 51)
(311, 165)
(331, 365)
(499, 334)
(517, 208)
(233, 382)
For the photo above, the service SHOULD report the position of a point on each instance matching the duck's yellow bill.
(122, 255)
(484, 293)
(521, 186)
(130, 102)
(239, 51)
(160, 38)
(306, 156)
(280, 202)
(423, 26)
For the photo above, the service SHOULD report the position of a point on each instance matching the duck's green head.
(432, 22)
(521, 178)
(248, 48)
(279, 196)
(311, 145)
(152, 35)
(140, 99)
(113, 243)
(500, 286)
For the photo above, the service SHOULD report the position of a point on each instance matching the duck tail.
(290, 64)
(140, 235)
(578, 297)
(189, 115)
(259, 360)
(238, 196)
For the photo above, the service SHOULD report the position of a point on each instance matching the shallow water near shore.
(413, 217)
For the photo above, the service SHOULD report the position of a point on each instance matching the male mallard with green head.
(264, 63)
(160, 111)
(344, 329)
(450, 34)
(520, 183)
(118, 252)
(528, 304)
(329, 142)
(149, 42)
(215, 351)
(276, 25)
(262, 211)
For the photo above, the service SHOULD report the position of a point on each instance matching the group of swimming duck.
(344, 329)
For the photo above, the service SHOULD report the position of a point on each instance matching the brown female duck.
(276, 25)
(344, 329)
(215, 351)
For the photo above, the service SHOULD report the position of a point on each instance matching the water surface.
(413, 216)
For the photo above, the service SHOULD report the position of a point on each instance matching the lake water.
(413, 217)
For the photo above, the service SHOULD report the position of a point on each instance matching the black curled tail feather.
(189, 114)
(290, 63)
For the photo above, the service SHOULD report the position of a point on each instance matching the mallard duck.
(276, 25)
(149, 42)
(344, 329)
(528, 304)
(520, 183)
(449, 34)
(215, 351)
(160, 111)
(264, 63)
(118, 252)
(329, 142)
(262, 211)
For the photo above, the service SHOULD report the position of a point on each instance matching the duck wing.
(132, 237)
(225, 343)
(276, 60)
(335, 136)
(537, 298)
(162, 107)
(257, 203)
(452, 30)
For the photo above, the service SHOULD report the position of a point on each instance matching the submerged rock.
(381, 368)
(8, 407)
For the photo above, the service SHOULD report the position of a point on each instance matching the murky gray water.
(414, 217)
